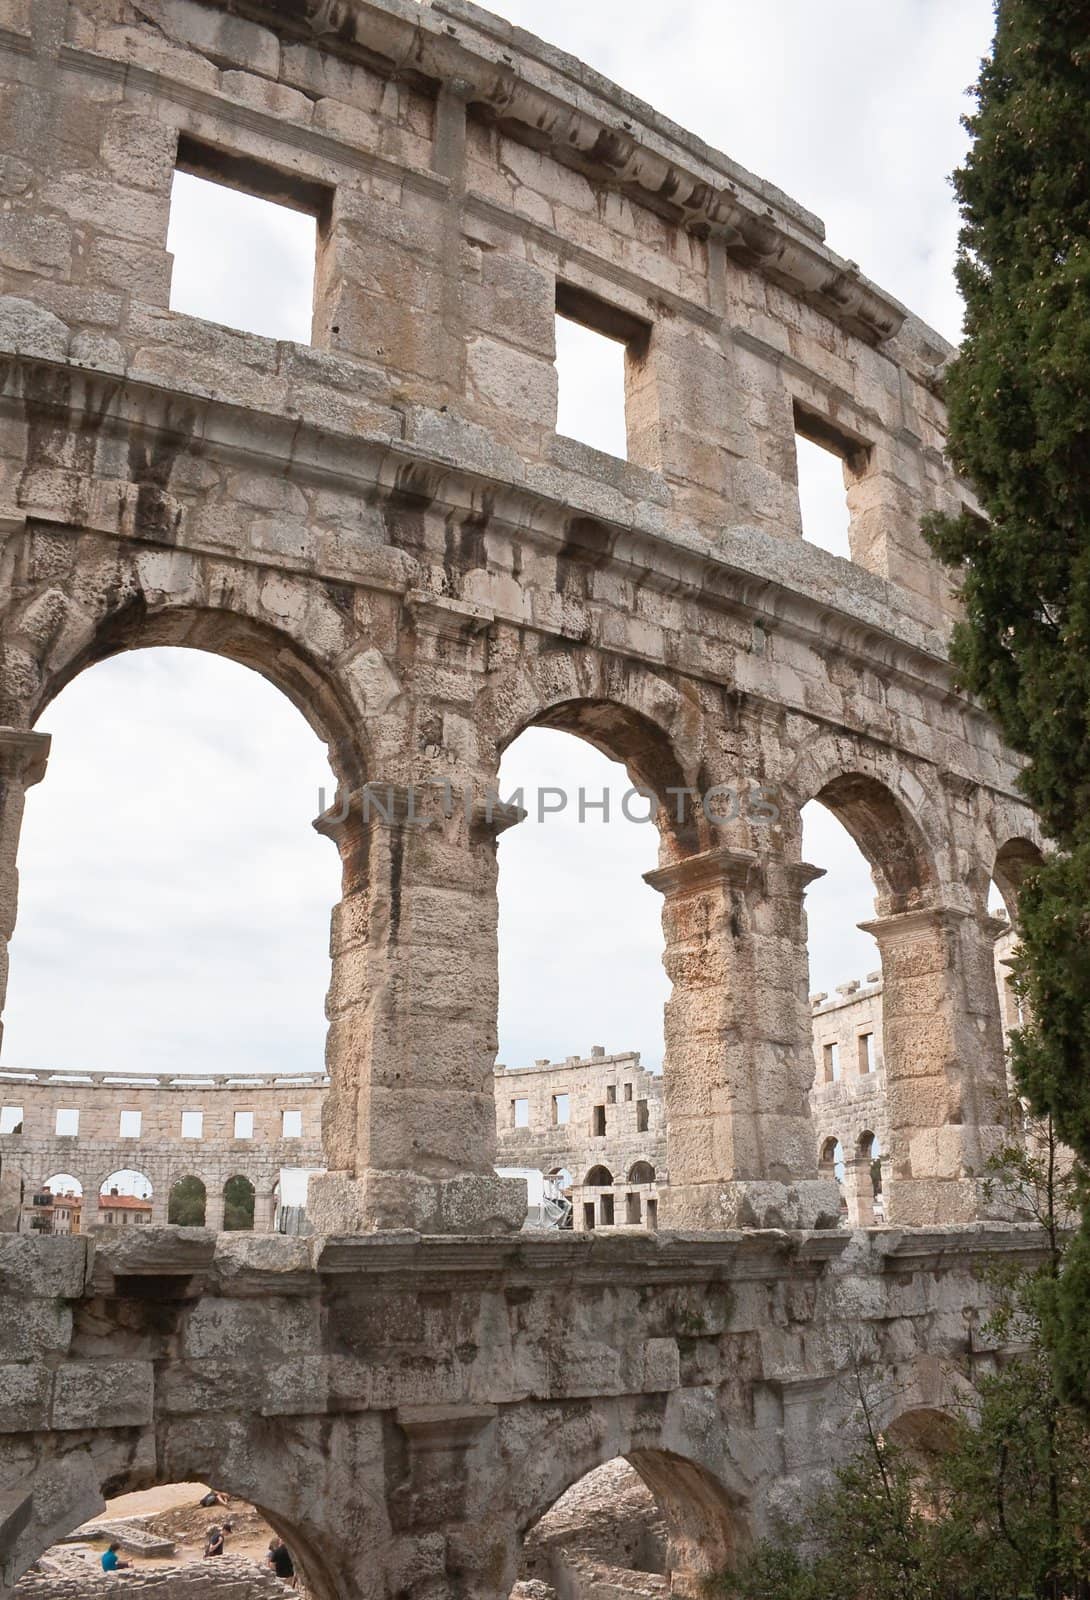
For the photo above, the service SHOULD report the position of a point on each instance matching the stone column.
(410, 1124)
(160, 1204)
(859, 1191)
(945, 1075)
(264, 1212)
(22, 763)
(213, 1210)
(739, 1064)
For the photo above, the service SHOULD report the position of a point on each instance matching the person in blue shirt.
(111, 1561)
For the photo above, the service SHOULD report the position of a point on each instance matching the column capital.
(23, 754)
(391, 805)
(722, 867)
(730, 867)
(490, 818)
(900, 925)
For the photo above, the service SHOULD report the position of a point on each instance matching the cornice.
(867, 625)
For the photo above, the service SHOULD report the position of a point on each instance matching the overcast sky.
(175, 901)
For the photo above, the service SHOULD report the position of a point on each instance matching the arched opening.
(598, 1178)
(125, 1199)
(641, 1172)
(239, 1199)
(649, 1514)
(831, 1164)
(187, 1203)
(56, 1206)
(877, 871)
(866, 1204)
(163, 1536)
(1015, 861)
(577, 923)
(170, 843)
(922, 1437)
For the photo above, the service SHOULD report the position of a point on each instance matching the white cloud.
(175, 903)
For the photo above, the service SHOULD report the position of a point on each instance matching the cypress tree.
(1019, 401)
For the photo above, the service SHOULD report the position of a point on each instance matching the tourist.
(214, 1498)
(213, 1544)
(279, 1559)
(111, 1561)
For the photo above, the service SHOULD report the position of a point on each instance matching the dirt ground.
(174, 1512)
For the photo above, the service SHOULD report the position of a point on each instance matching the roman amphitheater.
(385, 523)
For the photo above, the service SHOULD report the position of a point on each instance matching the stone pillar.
(213, 1210)
(740, 1144)
(410, 1123)
(264, 1212)
(859, 1191)
(945, 1075)
(22, 763)
(160, 1204)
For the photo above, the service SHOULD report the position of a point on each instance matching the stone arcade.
(385, 524)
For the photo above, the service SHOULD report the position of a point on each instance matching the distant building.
(118, 1210)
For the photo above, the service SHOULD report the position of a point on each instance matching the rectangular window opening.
(593, 343)
(598, 1123)
(628, 1091)
(67, 1124)
(828, 462)
(192, 1124)
(866, 1053)
(831, 1054)
(520, 1113)
(605, 1203)
(652, 1217)
(588, 1214)
(561, 1109)
(291, 1124)
(11, 1119)
(129, 1125)
(611, 1095)
(642, 1116)
(244, 1124)
(633, 1210)
(244, 238)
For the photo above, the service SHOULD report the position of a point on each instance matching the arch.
(641, 1172)
(68, 1486)
(886, 810)
(830, 1151)
(887, 834)
(921, 1432)
(124, 1198)
(679, 1447)
(629, 712)
(176, 599)
(239, 1202)
(72, 1185)
(1015, 860)
(867, 1145)
(598, 1177)
(187, 1204)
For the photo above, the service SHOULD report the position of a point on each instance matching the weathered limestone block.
(103, 1394)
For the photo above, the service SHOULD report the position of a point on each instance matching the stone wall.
(386, 523)
(612, 1145)
(404, 1410)
(105, 1103)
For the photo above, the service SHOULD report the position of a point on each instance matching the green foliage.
(185, 1207)
(1019, 402)
(238, 1204)
(995, 1504)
